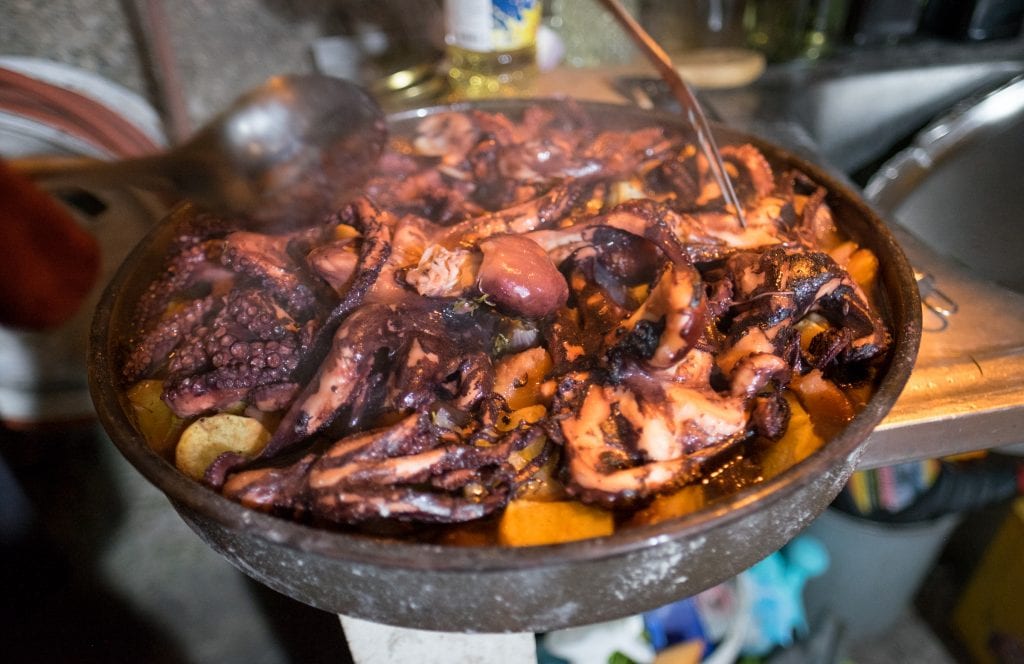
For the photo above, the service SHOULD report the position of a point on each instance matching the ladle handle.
(56, 171)
(684, 95)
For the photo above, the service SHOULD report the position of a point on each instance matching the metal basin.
(497, 589)
(957, 187)
(956, 197)
(855, 118)
(854, 109)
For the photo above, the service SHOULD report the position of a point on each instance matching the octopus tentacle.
(196, 261)
(249, 343)
(375, 225)
(383, 473)
(265, 259)
(619, 452)
(153, 348)
(540, 212)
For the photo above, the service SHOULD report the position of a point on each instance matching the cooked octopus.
(373, 340)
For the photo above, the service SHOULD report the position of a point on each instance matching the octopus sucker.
(510, 302)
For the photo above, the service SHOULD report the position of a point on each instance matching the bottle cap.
(404, 79)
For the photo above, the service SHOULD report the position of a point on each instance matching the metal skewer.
(684, 95)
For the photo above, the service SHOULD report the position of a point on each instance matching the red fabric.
(49, 263)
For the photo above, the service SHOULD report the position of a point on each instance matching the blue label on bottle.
(493, 25)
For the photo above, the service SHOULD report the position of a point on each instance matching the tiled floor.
(115, 575)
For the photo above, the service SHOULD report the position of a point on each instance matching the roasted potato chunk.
(533, 523)
(528, 414)
(687, 500)
(209, 437)
(518, 377)
(863, 268)
(827, 405)
(154, 418)
(799, 442)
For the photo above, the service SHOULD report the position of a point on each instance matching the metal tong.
(687, 101)
(934, 300)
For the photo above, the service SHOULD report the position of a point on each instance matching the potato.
(810, 327)
(685, 501)
(842, 252)
(826, 404)
(639, 293)
(798, 443)
(154, 418)
(863, 268)
(625, 190)
(209, 437)
(543, 485)
(345, 232)
(528, 414)
(861, 263)
(533, 523)
(859, 394)
(472, 533)
(518, 377)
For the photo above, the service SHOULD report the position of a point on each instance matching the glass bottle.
(491, 46)
(789, 29)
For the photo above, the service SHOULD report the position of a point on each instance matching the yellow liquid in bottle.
(491, 47)
(476, 75)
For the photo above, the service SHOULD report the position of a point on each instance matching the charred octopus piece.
(155, 345)
(622, 448)
(673, 311)
(542, 212)
(388, 358)
(158, 326)
(265, 259)
(775, 289)
(409, 471)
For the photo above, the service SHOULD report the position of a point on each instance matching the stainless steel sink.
(859, 106)
(956, 194)
(958, 185)
(855, 118)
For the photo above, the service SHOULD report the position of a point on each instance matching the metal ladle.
(687, 101)
(283, 154)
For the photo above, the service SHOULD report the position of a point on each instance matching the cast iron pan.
(496, 589)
